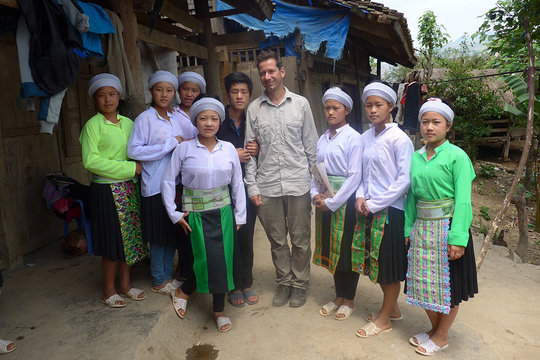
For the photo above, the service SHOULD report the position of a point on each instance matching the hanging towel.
(99, 24)
(117, 58)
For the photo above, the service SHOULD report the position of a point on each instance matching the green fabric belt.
(434, 209)
(203, 200)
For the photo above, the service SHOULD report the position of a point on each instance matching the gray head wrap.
(101, 80)
(162, 75)
(203, 104)
(337, 94)
(436, 104)
(193, 77)
(379, 89)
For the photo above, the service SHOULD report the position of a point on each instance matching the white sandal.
(3, 346)
(420, 338)
(111, 301)
(328, 309)
(179, 304)
(347, 311)
(430, 347)
(134, 293)
(165, 290)
(222, 321)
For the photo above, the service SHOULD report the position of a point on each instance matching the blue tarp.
(316, 25)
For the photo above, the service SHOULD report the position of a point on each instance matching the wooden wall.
(26, 156)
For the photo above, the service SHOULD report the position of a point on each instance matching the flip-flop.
(371, 317)
(221, 321)
(111, 301)
(250, 293)
(3, 346)
(420, 338)
(237, 296)
(347, 311)
(328, 308)
(371, 330)
(430, 347)
(134, 293)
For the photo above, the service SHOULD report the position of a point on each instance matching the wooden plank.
(249, 37)
(10, 3)
(181, 16)
(498, 130)
(170, 42)
(163, 26)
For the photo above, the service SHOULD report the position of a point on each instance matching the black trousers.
(190, 283)
(244, 279)
(346, 283)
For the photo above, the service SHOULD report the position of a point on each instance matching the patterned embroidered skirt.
(433, 282)
(334, 234)
(379, 249)
(116, 226)
(157, 227)
(214, 242)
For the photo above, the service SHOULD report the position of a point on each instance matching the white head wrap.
(379, 89)
(337, 94)
(436, 104)
(162, 75)
(101, 80)
(193, 77)
(207, 103)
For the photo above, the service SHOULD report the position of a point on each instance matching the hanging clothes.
(412, 100)
(117, 58)
(99, 24)
(55, 46)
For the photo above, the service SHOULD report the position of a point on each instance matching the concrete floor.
(52, 310)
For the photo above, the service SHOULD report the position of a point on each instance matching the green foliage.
(473, 100)
(488, 171)
(503, 30)
(432, 38)
(484, 212)
(519, 87)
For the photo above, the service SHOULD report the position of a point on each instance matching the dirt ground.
(51, 308)
(489, 193)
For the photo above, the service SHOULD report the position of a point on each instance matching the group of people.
(207, 171)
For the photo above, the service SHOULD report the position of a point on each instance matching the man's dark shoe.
(282, 295)
(298, 297)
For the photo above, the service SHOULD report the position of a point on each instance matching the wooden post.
(211, 67)
(135, 104)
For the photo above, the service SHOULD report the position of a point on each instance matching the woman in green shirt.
(114, 197)
(438, 213)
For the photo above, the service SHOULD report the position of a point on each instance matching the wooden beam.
(221, 13)
(10, 3)
(248, 37)
(170, 42)
(163, 26)
(181, 16)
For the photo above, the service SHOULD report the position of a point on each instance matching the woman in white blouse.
(209, 168)
(379, 235)
(154, 136)
(339, 151)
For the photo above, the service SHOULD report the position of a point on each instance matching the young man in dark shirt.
(239, 87)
